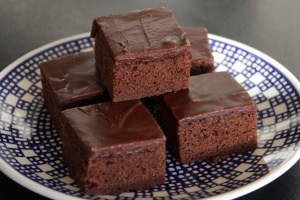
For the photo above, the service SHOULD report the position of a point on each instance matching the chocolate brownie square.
(141, 53)
(215, 117)
(70, 81)
(112, 147)
(202, 59)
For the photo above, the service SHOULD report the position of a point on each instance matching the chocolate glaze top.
(200, 48)
(132, 34)
(207, 93)
(72, 77)
(109, 125)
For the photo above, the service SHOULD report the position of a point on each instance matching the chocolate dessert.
(215, 117)
(111, 142)
(141, 53)
(202, 59)
(70, 81)
(113, 147)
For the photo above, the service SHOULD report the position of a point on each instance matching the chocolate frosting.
(200, 48)
(73, 77)
(110, 125)
(207, 93)
(132, 34)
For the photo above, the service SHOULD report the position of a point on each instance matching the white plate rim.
(235, 193)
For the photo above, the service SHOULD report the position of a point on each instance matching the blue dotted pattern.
(29, 142)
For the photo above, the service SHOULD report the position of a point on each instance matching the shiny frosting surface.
(72, 76)
(207, 93)
(199, 42)
(141, 30)
(110, 124)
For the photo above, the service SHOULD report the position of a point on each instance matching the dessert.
(113, 147)
(215, 117)
(202, 59)
(141, 53)
(70, 81)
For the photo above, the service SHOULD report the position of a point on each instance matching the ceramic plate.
(30, 149)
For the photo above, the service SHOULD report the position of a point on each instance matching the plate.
(30, 148)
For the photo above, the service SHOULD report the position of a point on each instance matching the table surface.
(271, 26)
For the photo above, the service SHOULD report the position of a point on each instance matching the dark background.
(271, 26)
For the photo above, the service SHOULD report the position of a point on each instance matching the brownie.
(141, 53)
(70, 81)
(112, 147)
(202, 59)
(215, 117)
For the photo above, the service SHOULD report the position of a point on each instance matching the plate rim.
(235, 193)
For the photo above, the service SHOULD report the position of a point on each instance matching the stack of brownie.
(111, 141)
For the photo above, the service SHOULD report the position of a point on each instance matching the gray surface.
(271, 26)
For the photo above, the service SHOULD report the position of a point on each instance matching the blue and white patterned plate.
(30, 149)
